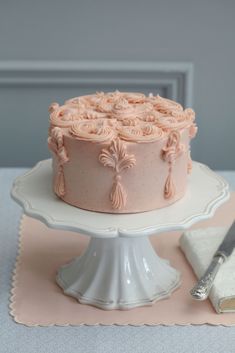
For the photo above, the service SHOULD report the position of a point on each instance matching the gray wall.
(201, 32)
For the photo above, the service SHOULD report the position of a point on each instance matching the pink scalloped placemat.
(37, 299)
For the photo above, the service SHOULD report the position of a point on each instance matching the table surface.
(90, 339)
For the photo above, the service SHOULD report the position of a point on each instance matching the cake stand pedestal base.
(119, 269)
(118, 273)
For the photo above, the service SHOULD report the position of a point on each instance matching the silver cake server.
(203, 286)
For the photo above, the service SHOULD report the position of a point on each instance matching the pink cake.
(120, 152)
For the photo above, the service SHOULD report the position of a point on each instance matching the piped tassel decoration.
(189, 164)
(59, 186)
(170, 153)
(118, 195)
(169, 189)
(116, 157)
(56, 145)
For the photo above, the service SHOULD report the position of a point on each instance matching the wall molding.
(175, 78)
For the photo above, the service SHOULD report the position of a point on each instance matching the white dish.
(119, 269)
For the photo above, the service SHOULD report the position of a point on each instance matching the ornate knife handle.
(203, 286)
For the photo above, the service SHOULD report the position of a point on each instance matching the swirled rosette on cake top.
(165, 105)
(135, 98)
(64, 115)
(93, 130)
(141, 133)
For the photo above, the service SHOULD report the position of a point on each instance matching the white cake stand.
(119, 269)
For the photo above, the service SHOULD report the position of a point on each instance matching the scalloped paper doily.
(37, 300)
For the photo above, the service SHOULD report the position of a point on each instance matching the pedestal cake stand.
(119, 269)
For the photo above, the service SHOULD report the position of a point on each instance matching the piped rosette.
(142, 133)
(169, 123)
(123, 108)
(164, 105)
(93, 130)
(64, 116)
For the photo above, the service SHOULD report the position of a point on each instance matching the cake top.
(131, 116)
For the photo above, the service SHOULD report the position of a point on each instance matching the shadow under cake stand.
(119, 269)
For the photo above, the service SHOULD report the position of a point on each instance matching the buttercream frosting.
(56, 145)
(170, 153)
(92, 130)
(127, 152)
(124, 109)
(143, 132)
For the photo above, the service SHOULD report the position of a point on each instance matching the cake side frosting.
(125, 152)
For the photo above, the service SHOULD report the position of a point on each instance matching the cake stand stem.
(118, 273)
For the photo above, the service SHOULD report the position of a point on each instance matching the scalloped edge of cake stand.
(97, 219)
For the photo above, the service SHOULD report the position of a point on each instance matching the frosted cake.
(120, 152)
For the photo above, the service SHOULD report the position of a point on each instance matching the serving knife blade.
(202, 289)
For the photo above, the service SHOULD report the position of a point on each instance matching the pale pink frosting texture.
(94, 131)
(149, 135)
(150, 115)
(170, 153)
(56, 145)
